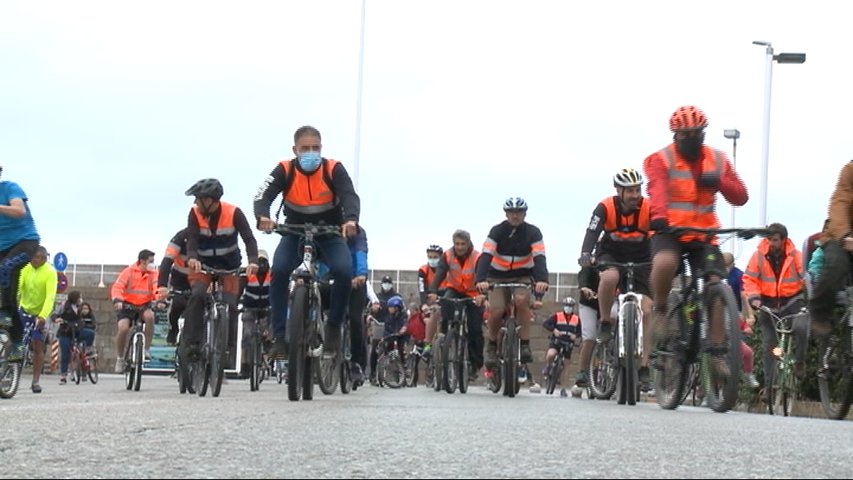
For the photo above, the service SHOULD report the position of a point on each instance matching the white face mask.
(432, 262)
(567, 310)
(386, 287)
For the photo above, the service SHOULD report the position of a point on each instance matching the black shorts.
(641, 274)
(555, 344)
(702, 256)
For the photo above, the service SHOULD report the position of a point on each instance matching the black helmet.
(206, 188)
(386, 279)
(434, 248)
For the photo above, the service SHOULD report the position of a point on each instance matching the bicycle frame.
(783, 353)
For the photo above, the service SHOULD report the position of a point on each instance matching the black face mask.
(690, 147)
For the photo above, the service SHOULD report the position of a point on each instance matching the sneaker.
(535, 388)
(582, 379)
(62, 380)
(331, 341)
(526, 354)
(563, 393)
(645, 379)
(750, 380)
(357, 375)
(36, 388)
(278, 349)
(490, 355)
(119, 365)
(172, 337)
(605, 333)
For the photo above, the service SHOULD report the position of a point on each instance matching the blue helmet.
(395, 301)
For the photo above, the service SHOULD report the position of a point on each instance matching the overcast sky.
(109, 110)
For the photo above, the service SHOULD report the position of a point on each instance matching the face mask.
(386, 287)
(690, 147)
(309, 161)
(432, 262)
(567, 310)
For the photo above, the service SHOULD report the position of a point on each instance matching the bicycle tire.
(202, 374)
(438, 362)
(393, 374)
(629, 372)
(672, 364)
(92, 372)
(510, 360)
(555, 369)
(219, 350)
(410, 370)
(128, 361)
(78, 366)
(10, 372)
(722, 394)
(770, 387)
(296, 331)
(464, 364)
(835, 380)
(603, 371)
(789, 391)
(139, 355)
(691, 385)
(451, 360)
(254, 368)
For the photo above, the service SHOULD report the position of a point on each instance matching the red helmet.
(687, 118)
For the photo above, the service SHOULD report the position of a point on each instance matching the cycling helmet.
(569, 302)
(395, 301)
(627, 177)
(435, 248)
(206, 188)
(515, 203)
(687, 118)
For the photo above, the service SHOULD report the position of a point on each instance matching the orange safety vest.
(179, 260)
(312, 193)
(759, 280)
(563, 322)
(633, 227)
(218, 249)
(689, 205)
(257, 291)
(460, 276)
(135, 286)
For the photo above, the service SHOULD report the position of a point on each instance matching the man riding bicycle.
(212, 230)
(174, 274)
(36, 296)
(514, 252)
(132, 294)
(624, 221)
(564, 327)
(455, 275)
(256, 304)
(684, 178)
(314, 190)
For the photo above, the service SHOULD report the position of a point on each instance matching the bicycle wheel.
(788, 385)
(464, 364)
(296, 332)
(555, 369)
(671, 362)
(410, 370)
(721, 391)
(629, 364)
(770, 387)
(692, 385)
(10, 372)
(392, 373)
(834, 373)
(438, 362)
(92, 371)
(603, 370)
(345, 368)
(139, 356)
(220, 350)
(256, 362)
(451, 360)
(77, 366)
(328, 371)
(510, 360)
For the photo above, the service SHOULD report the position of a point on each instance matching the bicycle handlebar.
(626, 265)
(744, 233)
(302, 229)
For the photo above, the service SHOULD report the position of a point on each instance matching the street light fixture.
(733, 134)
(765, 149)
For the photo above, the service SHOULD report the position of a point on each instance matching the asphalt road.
(105, 431)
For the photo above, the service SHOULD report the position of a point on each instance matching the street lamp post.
(765, 147)
(359, 88)
(733, 134)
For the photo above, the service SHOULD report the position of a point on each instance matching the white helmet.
(627, 177)
(515, 203)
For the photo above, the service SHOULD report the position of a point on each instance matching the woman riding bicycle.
(71, 330)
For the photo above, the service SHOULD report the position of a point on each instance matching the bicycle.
(554, 369)
(305, 322)
(412, 360)
(455, 364)
(331, 373)
(629, 335)
(390, 367)
(690, 311)
(835, 367)
(82, 363)
(134, 351)
(207, 370)
(258, 368)
(508, 347)
(782, 376)
(10, 370)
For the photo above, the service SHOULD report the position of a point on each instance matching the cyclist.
(256, 303)
(564, 327)
(427, 271)
(174, 274)
(775, 278)
(588, 279)
(36, 297)
(396, 322)
(623, 220)
(314, 190)
(455, 275)
(70, 330)
(132, 294)
(683, 180)
(514, 252)
(837, 242)
(212, 230)
(18, 242)
(359, 296)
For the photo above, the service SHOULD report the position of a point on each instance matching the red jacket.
(416, 327)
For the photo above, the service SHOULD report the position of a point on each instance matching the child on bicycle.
(70, 330)
(565, 328)
(395, 323)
